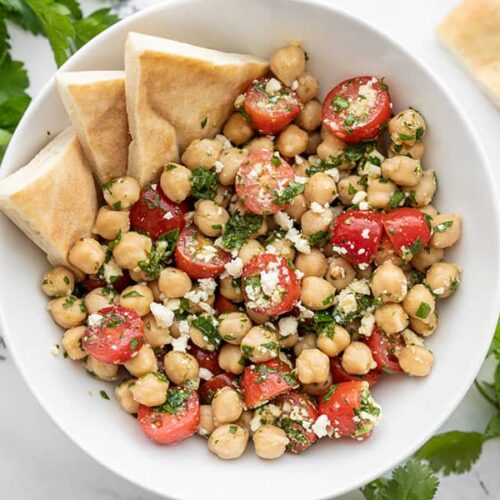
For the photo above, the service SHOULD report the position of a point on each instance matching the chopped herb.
(419, 133)
(176, 400)
(351, 190)
(423, 310)
(328, 394)
(203, 123)
(233, 429)
(206, 325)
(416, 246)
(112, 244)
(443, 226)
(245, 115)
(161, 376)
(291, 191)
(275, 160)
(406, 137)
(117, 205)
(134, 343)
(328, 301)
(65, 279)
(170, 166)
(203, 184)
(239, 228)
(340, 103)
(318, 238)
(349, 121)
(247, 350)
(104, 394)
(290, 378)
(69, 302)
(160, 254)
(454, 284)
(269, 346)
(383, 85)
(132, 293)
(107, 185)
(428, 220)
(396, 199)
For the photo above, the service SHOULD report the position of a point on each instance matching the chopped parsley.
(275, 160)
(160, 254)
(291, 191)
(423, 310)
(318, 238)
(340, 103)
(176, 401)
(169, 166)
(329, 393)
(132, 293)
(396, 199)
(203, 184)
(239, 228)
(104, 394)
(443, 226)
(233, 429)
(206, 325)
(203, 123)
(133, 344)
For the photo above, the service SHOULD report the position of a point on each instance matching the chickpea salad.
(263, 285)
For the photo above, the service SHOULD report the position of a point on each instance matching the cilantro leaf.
(203, 184)
(239, 228)
(493, 427)
(291, 191)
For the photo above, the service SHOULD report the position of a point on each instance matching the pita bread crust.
(177, 93)
(472, 33)
(53, 198)
(95, 103)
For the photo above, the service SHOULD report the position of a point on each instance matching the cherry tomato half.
(206, 359)
(155, 214)
(383, 349)
(340, 375)
(116, 337)
(356, 109)
(270, 285)
(210, 387)
(261, 179)
(122, 282)
(356, 235)
(270, 107)
(223, 305)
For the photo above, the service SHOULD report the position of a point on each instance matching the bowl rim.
(475, 366)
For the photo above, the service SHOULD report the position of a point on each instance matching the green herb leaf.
(340, 103)
(443, 226)
(176, 401)
(160, 254)
(291, 191)
(396, 199)
(239, 228)
(203, 123)
(104, 394)
(206, 325)
(328, 394)
(132, 293)
(318, 238)
(423, 310)
(233, 429)
(203, 184)
(90, 26)
(134, 343)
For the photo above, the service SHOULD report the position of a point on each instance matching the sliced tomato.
(116, 336)
(174, 421)
(343, 403)
(270, 111)
(210, 387)
(356, 235)
(122, 282)
(299, 432)
(264, 381)
(383, 349)
(408, 231)
(197, 256)
(261, 179)
(356, 109)
(340, 375)
(206, 359)
(223, 305)
(155, 214)
(279, 276)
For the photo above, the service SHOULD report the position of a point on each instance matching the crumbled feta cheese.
(304, 312)
(361, 286)
(295, 85)
(346, 301)
(299, 274)
(163, 315)
(288, 326)
(206, 288)
(204, 306)
(226, 144)
(172, 304)
(205, 374)
(364, 205)
(154, 186)
(411, 338)
(55, 350)
(317, 208)
(365, 234)
(300, 180)
(333, 173)
(321, 426)
(180, 344)
(218, 166)
(298, 240)
(367, 324)
(168, 216)
(234, 267)
(359, 197)
(273, 85)
(299, 160)
(438, 291)
(94, 319)
(370, 170)
(269, 279)
(283, 220)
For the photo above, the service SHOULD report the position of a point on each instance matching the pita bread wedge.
(95, 103)
(177, 93)
(53, 198)
(472, 33)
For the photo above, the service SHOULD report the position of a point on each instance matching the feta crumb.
(234, 267)
(172, 304)
(218, 166)
(273, 85)
(168, 216)
(239, 101)
(268, 281)
(346, 300)
(438, 291)
(205, 374)
(163, 315)
(411, 338)
(180, 344)
(288, 326)
(298, 240)
(299, 160)
(226, 143)
(333, 173)
(295, 85)
(299, 274)
(361, 286)
(365, 234)
(364, 205)
(321, 426)
(317, 208)
(183, 327)
(283, 220)
(94, 319)
(304, 312)
(359, 197)
(367, 324)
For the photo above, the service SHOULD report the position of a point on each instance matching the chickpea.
(103, 371)
(386, 253)
(308, 87)
(364, 273)
(175, 182)
(71, 342)
(416, 151)
(425, 329)
(150, 389)
(402, 170)
(289, 341)
(250, 249)
(181, 367)
(313, 366)
(58, 282)
(391, 318)
(143, 362)
(87, 255)
(270, 442)
(257, 318)
(284, 248)
(174, 283)
(138, 298)
(443, 279)
(308, 341)
(68, 311)
(415, 360)
(202, 153)
(429, 210)
(228, 441)
(358, 359)
(230, 359)
(231, 160)
(296, 208)
(288, 63)
(237, 129)
(230, 289)
(226, 405)
(98, 298)
(422, 194)
(389, 283)
(132, 249)
(419, 303)
(292, 141)
(121, 193)
(207, 424)
(340, 273)
(333, 344)
(210, 217)
(155, 335)
(331, 147)
(316, 293)
(263, 229)
(318, 389)
(309, 117)
(320, 189)
(260, 344)
(313, 142)
(263, 143)
(125, 397)
(380, 192)
(313, 222)
(446, 230)
(348, 187)
(407, 127)
(426, 258)
(312, 264)
(198, 338)
(109, 223)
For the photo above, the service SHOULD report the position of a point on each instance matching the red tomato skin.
(112, 344)
(147, 214)
(208, 388)
(347, 235)
(269, 119)
(174, 428)
(404, 226)
(295, 398)
(340, 375)
(249, 184)
(197, 270)
(93, 282)
(380, 345)
(259, 386)
(377, 116)
(206, 359)
(223, 305)
(287, 280)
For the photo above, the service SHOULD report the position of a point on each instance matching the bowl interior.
(339, 46)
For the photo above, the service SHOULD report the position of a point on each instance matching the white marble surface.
(38, 462)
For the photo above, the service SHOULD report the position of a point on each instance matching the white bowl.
(339, 46)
